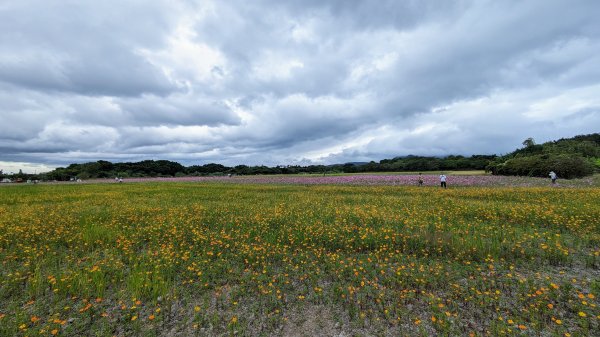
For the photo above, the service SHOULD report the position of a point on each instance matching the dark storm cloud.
(279, 82)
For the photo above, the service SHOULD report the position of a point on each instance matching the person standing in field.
(420, 179)
(443, 180)
(553, 177)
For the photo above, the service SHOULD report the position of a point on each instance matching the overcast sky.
(286, 82)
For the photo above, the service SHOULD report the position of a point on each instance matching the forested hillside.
(569, 158)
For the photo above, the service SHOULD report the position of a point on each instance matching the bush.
(566, 166)
(571, 166)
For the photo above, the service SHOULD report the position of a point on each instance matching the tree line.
(569, 158)
(166, 168)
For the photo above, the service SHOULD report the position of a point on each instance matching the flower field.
(456, 179)
(245, 257)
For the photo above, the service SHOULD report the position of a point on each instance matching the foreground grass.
(182, 258)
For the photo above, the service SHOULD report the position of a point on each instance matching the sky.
(271, 82)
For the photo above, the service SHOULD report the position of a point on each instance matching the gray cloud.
(83, 49)
(271, 82)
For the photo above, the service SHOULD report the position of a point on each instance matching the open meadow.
(301, 258)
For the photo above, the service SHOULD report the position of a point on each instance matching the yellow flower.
(133, 318)
(196, 308)
(558, 321)
(582, 314)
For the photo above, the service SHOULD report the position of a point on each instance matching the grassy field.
(172, 259)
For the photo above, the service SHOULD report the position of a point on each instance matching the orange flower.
(89, 305)
(151, 317)
(54, 332)
(34, 319)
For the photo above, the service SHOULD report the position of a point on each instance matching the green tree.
(529, 142)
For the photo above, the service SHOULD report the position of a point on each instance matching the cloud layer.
(271, 82)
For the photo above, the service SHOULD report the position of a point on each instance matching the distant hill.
(574, 157)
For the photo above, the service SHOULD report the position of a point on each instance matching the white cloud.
(186, 59)
(14, 167)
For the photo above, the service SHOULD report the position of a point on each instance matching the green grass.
(206, 258)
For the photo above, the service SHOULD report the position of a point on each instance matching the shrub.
(565, 165)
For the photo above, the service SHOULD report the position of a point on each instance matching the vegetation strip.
(213, 258)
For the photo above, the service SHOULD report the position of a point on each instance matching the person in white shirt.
(553, 177)
(443, 180)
